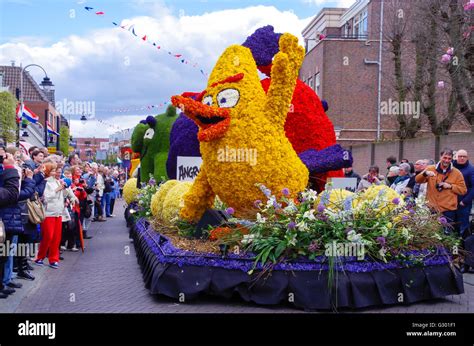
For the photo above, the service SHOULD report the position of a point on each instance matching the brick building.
(38, 98)
(87, 147)
(341, 67)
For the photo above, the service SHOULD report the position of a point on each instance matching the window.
(364, 23)
(317, 83)
(1, 80)
(347, 29)
(310, 82)
(360, 24)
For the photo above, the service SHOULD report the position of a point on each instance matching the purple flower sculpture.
(264, 45)
(183, 142)
(329, 159)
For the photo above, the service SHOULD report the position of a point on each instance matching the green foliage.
(8, 127)
(64, 139)
(137, 137)
(144, 199)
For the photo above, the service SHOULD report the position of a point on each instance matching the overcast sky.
(91, 60)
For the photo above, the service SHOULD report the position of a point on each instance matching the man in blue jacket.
(465, 201)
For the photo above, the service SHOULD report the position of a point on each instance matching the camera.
(439, 187)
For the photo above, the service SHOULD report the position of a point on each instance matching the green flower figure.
(151, 138)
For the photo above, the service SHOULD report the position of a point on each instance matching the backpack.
(87, 208)
(36, 212)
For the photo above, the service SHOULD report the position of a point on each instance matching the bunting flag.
(51, 131)
(131, 28)
(133, 108)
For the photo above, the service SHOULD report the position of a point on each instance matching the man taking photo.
(444, 184)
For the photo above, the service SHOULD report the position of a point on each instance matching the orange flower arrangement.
(224, 231)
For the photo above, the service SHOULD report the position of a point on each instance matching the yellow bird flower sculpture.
(236, 120)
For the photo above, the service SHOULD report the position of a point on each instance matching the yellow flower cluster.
(336, 199)
(256, 127)
(169, 200)
(385, 196)
(174, 201)
(158, 198)
(130, 190)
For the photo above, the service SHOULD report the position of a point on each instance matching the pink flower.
(441, 84)
(469, 6)
(322, 37)
(450, 51)
(445, 58)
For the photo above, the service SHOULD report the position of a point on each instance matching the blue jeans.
(107, 199)
(462, 219)
(8, 271)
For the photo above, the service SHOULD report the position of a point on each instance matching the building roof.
(337, 11)
(31, 89)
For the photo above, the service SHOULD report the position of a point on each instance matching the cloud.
(334, 3)
(345, 3)
(114, 69)
(94, 128)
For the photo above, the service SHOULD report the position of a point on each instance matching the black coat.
(13, 215)
(9, 187)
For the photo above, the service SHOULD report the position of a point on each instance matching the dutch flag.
(50, 130)
(23, 111)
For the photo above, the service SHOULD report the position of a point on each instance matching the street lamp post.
(47, 85)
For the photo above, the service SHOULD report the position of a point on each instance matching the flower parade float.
(275, 240)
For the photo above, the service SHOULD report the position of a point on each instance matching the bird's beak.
(213, 122)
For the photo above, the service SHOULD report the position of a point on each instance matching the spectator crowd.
(47, 202)
(447, 186)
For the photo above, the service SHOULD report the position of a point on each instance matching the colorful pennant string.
(131, 28)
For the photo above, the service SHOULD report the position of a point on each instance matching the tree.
(419, 37)
(8, 127)
(457, 25)
(399, 23)
(64, 140)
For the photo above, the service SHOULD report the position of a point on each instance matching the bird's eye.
(149, 134)
(228, 98)
(207, 100)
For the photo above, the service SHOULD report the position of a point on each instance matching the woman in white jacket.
(403, 178)
(52, 224)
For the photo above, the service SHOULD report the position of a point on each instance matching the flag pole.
(21, 108)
